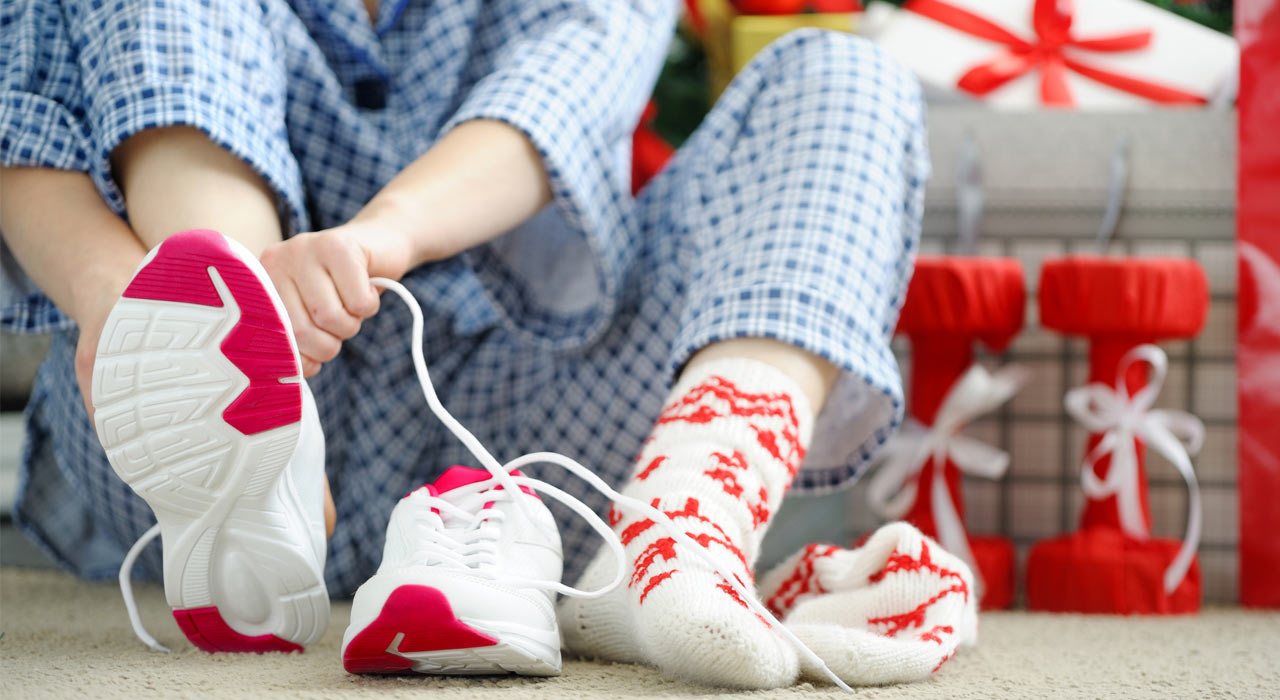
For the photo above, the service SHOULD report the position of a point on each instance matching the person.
(729, 325)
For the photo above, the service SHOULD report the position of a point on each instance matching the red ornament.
(649, 152)
(1258, 347)
(835, 6)
(769, 7)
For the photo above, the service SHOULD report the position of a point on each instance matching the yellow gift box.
(732, 39)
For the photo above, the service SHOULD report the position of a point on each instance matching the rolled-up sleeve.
(573, 76)
(43, 123)
(214, 66)
(81, 76)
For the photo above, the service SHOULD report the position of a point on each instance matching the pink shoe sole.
(414, 619)
(208, 631)
(259, 344)
(198, 401)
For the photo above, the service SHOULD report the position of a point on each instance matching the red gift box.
(1258, 347)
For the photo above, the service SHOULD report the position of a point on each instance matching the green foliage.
(1215, 14)
(681, 94)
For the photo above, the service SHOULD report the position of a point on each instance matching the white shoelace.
(126, 588)
(501, 474)
(470, 545)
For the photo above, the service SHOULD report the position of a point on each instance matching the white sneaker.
(453, 594)
(469, 570)
(201, 407)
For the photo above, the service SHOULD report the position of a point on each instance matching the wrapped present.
(1258, 346)
(734, 32)
(1059, 53)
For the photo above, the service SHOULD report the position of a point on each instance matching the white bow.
(1174, 434)
(893, 488)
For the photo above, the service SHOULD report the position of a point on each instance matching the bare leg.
(814, 375)
(175, 179)
(73, 246)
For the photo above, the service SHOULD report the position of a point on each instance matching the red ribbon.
(1052, 22)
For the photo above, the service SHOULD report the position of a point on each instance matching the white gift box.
(1181, 59)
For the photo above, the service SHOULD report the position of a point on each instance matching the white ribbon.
(893, 488)
(1119, 419)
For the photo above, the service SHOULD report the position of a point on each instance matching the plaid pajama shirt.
(792, 213)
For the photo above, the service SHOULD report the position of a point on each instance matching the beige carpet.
(64, 638)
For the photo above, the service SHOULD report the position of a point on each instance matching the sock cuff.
(754, 377)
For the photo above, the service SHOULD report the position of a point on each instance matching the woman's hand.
(480, 179)
(323, 280)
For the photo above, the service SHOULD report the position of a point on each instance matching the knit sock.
(722, 454)
(891, 611)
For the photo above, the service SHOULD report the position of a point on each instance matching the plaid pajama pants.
(792, 213)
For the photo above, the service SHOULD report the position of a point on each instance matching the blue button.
(371, 93)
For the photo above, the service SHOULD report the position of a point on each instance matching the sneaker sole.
(416, 631)
(198, 403)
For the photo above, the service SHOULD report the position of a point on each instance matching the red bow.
(1052, 23)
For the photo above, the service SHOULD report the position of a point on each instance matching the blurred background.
(1046, 175)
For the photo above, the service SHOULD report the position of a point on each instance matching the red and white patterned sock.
(891, 611)
(724, 451)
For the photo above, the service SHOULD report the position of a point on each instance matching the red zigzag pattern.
(696, 407)
(804, 579)
(664, 548)
(915, 617)
(727, 475)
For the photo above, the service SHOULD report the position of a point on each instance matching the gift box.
(732, 37)
(748, 34)
(1090, 54)
(1259, 305)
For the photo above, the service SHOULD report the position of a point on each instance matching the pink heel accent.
(425, 617)
(207, 630)
(179, 272)
(259, 344)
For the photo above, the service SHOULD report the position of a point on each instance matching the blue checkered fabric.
(792, 213)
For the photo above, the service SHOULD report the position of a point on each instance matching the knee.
(823, 67)
(817, 53)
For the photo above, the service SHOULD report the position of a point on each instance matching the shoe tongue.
(458, 476)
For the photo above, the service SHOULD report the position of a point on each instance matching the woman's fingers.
(310, 367)
(348, 269)
(324, 284)
(320, 297)
(314, 343)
